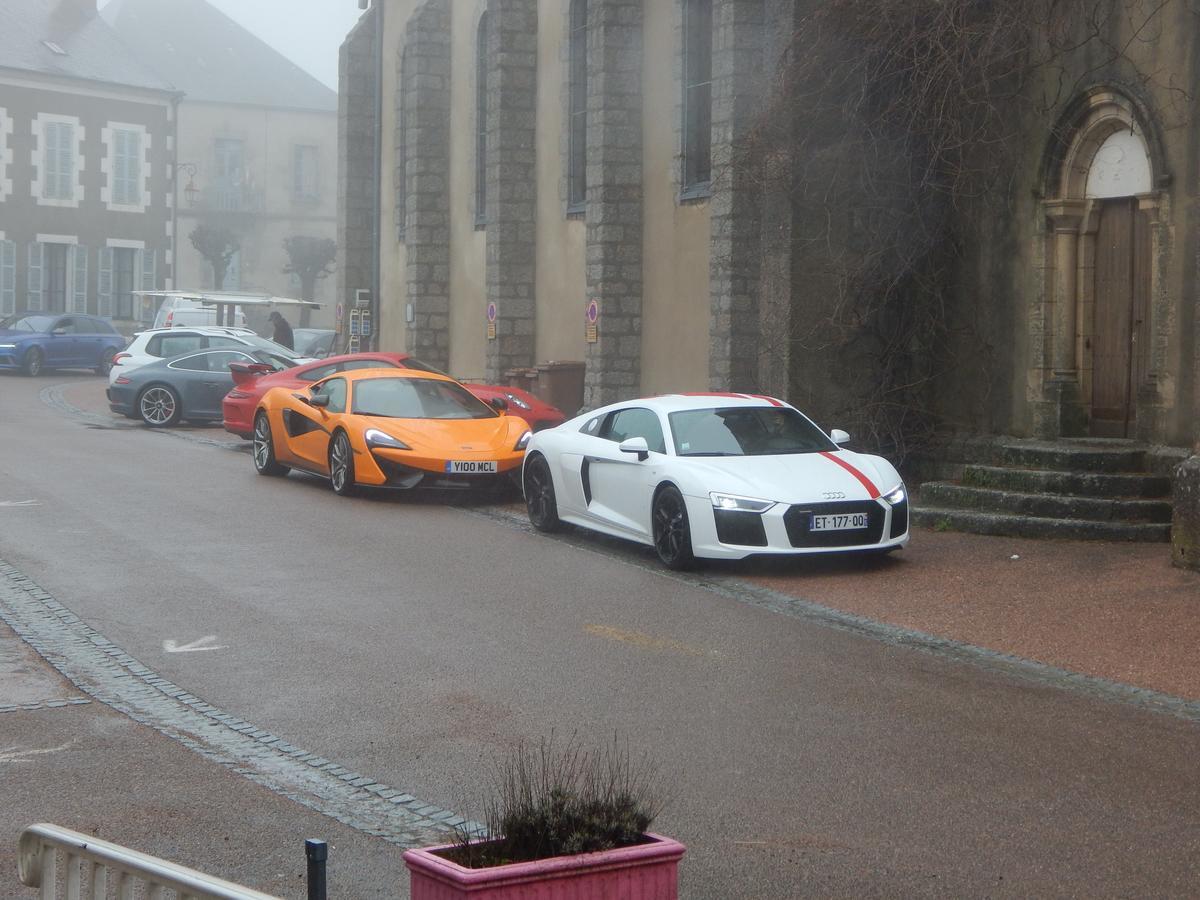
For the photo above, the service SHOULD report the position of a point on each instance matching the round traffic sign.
(491, 312)
(593, 311)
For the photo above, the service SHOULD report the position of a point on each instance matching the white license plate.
(461, 467)
(847, 522)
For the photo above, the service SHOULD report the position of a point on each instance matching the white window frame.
(38, 160)
(6, 154)
(8, 276)
(110, 165)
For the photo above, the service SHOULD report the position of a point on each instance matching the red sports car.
(251, 382)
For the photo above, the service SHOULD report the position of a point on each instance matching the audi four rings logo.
(834, 495)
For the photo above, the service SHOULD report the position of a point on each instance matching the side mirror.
(636, 445)
(499, 404)
(320, 401)
(839, 437)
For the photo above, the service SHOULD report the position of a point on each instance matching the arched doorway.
(1101, 209)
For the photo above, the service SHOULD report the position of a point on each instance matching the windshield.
(417, 398)
(28, 323)
(278, 349)
(311, 341)
(746, 431)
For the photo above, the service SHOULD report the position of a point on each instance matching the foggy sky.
(308, 32)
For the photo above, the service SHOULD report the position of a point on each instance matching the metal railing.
(91, 864)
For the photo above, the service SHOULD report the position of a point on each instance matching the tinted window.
(746, 431)
(629, 423)
(66, 325)
(99, 326)
(335, 390)
(411, 363)
(318, 373)
(417, 398)
(352, 364)
(216, 340)
(32, 323)
(219, 360)
(197, 363)
(165, 346)
(591, 426)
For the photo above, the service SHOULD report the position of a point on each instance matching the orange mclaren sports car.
(389, 428)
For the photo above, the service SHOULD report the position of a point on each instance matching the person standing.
(283, 331)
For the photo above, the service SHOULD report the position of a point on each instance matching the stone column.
(357, 180)
(1067, 415)
(735, 258)
(614, 199)
(511, 182)
(426, 109)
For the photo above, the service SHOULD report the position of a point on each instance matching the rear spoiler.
(247, 373)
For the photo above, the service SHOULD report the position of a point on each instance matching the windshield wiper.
(711, 453)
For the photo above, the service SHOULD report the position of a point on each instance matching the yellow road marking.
(649, 642)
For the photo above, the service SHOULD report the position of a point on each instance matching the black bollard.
(316, 852)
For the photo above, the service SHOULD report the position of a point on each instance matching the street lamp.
(191, 191)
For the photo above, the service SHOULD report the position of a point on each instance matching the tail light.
(120, 356)
(121, 379)
(235, 394)
(170, 317)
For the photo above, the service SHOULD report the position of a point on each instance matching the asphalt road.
(413, 640)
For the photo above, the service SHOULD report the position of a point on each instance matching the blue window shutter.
(104, 283)
(33, 276)
(79, 279)
(8, 278)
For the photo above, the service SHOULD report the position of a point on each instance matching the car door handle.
(212, 384)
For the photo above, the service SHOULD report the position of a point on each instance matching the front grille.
(798, 520)
(899, 519)
(740, 527)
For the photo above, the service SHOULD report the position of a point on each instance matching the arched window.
(481, 109)
(697, 98)
(577, 111)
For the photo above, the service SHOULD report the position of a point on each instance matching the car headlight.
(517, 401)
(376, 438)
(523, 442)
(8, 346)
(743, 504)
(896, 495)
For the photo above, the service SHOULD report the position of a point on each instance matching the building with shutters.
(257, 142)
(86, 165)
(524, 162)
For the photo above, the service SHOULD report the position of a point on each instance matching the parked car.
(35, 343)
(177, 311)
(314, 342)
(720, 476)
(190, 386)
(250, 388)
(163, 343)
(394, 428)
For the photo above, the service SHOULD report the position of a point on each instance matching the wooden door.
(1122, 290)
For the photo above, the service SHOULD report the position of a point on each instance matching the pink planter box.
(646, 872)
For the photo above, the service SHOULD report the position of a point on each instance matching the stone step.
(1007, 525)
(1052, 506)
(1072, 456)
(1079, 484)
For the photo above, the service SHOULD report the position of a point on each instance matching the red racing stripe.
(863, 479)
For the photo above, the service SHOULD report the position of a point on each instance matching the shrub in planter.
(566, 815)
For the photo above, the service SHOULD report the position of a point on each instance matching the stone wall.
(511, 181)
(357, 177)
(425, 88)
(614, 199)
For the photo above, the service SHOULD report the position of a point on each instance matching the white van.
(176, 311)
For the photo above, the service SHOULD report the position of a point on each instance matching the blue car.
(34, 343)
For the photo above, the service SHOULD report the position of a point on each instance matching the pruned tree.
(907, 124)
(309, 259)
(217, 244)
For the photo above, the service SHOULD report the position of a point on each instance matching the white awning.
(231, 298)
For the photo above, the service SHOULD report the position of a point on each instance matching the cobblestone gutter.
(105, 672)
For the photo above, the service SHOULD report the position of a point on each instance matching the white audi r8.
(719, 476)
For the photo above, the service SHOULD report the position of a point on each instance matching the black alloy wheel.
(35, 361)
(341, 465)
(159, 406)
(264, 448)
(539, 495)
(672, 533)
